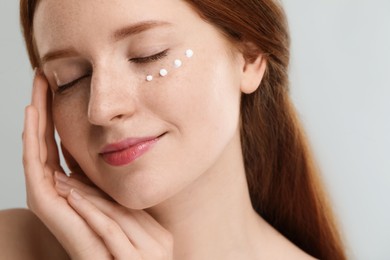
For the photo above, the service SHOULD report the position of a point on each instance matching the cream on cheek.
(201, 96)
(71, 107)
(170, 66)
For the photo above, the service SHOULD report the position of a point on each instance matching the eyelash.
(64, 87)
(142, 60)
(152, 58)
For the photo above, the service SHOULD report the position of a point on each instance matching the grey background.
(340, 77)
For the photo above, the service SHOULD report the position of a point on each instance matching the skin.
(187, 197)
(189, 105)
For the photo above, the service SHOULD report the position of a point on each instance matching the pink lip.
(126, 151)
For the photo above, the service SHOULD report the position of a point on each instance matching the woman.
(175, 121)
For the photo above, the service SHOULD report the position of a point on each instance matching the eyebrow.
(137, 28)
(118, 35)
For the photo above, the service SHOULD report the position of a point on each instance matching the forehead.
(58, 24)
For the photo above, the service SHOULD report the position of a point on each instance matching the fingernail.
(61, 177)
(75, 194)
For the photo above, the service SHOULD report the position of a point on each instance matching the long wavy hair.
(282, 175)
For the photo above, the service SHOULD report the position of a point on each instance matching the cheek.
(215, 105)
(69, 120)
(202, 104)
(198, 95)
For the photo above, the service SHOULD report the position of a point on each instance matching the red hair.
(282, 176)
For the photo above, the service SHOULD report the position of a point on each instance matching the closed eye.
(66, 86)
(149, 59)
(141, 60)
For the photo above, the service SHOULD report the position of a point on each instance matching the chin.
(139, 197)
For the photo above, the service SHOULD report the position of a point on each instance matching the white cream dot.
(149, 78)
(189, 53)
(178, 63)
(163, 72)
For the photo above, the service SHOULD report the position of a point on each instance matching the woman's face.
(183, 122)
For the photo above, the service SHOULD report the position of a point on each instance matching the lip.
(128, 150)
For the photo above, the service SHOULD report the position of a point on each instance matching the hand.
(116, 224)
(85, 222)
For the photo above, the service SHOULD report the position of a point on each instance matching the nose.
(111, 99)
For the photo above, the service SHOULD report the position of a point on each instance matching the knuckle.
(110, 228)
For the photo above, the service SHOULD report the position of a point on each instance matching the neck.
(213, 217)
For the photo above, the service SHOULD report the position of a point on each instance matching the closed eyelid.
(150, 58)
(62, 88)
(66, 69)
(60, 78)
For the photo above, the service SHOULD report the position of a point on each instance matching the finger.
(142, 230)
(82, 178)
(53, 157)
(31, 149)
(36, 183)
(111, 233)
(65, 184)
(53, 210)
(39, 102)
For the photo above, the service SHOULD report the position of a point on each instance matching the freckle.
(163, 72)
